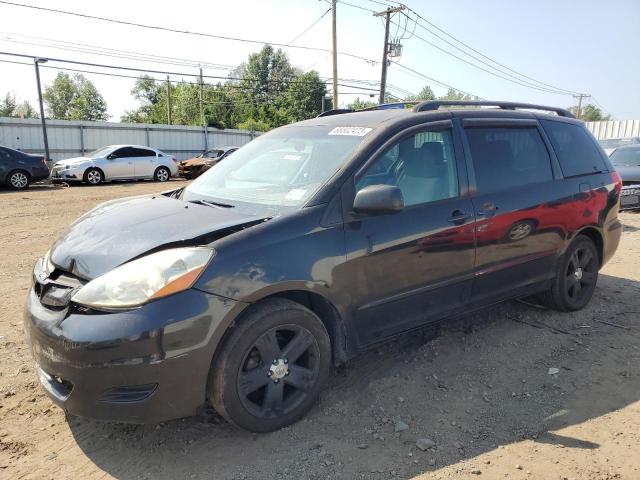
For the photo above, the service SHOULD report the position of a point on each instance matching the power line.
(164, 72)
(309, 27)
(485, 56)
(434, 80)
(175, 30)
(522, 83)
(538, 85)
(119, 75)
(112, 52)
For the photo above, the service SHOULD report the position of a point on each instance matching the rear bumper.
(630, 198)
(142, 366)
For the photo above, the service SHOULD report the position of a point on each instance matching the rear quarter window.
(577, 153)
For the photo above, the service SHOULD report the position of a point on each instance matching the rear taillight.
(44, 161)
(618, 179)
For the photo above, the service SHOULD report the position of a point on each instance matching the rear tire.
(271, 368)
(162, 174)
(93, 176)
(576, 277)
(18, 180)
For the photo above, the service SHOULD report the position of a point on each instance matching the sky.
(585, 46)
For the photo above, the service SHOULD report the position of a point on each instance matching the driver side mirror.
(111, 156)
(378, 200)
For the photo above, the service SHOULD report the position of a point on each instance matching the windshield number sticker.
(351, 131)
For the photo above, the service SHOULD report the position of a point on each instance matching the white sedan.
(117, 162)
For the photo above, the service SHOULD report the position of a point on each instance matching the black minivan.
(311, 243)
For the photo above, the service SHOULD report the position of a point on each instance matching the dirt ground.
(482, 399)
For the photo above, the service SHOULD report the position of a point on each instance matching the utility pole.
(387, 14)
(36, 62)
(169, 106)
(580, 97)
(201, 98)
(335, 54)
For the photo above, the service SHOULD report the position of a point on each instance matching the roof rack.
(336, 111)
(436, 104)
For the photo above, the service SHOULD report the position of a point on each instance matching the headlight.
(154, 276)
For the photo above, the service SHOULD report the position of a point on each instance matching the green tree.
(358, 104)
(74, 98)
(262, 93)
(453, 94)
(25, 110)
(590, 113)
(9, 107)
(425, 94)
(303, 98)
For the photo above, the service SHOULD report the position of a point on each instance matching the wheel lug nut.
(276, 381)
(275, 361)
(286, 360)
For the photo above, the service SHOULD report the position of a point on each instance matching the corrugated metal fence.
(615, 129)
(75, 138)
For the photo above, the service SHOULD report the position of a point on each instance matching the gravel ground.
(513, 392)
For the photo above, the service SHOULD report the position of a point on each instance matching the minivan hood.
(117, 231)
(74, 161)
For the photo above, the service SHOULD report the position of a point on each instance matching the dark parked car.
(310, 244)
(626, 160)
(194, 167)
(18, 169)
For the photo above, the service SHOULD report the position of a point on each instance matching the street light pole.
(36, 62)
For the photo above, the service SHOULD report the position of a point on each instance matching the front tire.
(576, 277)
(93, 176)
(271, 368)
(162, 174)
(18, 180)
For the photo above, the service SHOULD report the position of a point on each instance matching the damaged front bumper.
(144, 365)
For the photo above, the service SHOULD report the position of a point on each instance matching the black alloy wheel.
(271, 368)
(576, 277)
(581, 274)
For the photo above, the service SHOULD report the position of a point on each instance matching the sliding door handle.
(458, 217)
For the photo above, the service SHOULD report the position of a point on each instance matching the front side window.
(421, 165)
(577, 153)
(282, 168)
(507, 157)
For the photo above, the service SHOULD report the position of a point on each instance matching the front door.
(413, 266)
(519, 207)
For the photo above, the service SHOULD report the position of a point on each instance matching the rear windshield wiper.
(209, 203)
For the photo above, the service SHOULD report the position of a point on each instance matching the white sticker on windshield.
(351, 131)
(296, 194)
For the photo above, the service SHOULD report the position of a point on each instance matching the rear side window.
(577, 153)
(142, 152)
(507, 157)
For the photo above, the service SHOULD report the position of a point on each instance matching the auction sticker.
(351, 131)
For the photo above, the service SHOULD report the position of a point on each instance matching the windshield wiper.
(209, 203)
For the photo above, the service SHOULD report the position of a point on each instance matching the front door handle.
(488, 209)
(458, 217)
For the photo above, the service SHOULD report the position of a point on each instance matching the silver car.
(117, 162)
